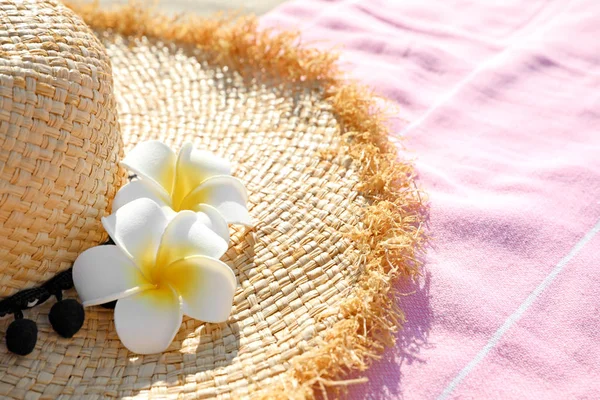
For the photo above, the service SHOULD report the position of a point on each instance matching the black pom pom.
(67, 317)
(21, 336)
(111, 305)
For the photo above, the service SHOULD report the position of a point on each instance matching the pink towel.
(502, 103)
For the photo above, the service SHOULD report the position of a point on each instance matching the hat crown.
(59, 141)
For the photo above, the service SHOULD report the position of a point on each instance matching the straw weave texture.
(59, 142)
(332, 231)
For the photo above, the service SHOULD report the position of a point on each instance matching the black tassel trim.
(29, 298)
(66, 316)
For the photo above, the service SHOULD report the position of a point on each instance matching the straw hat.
(336, 217)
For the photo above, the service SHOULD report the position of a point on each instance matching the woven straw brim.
(337, 218)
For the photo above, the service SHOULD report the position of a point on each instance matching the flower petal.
(137, 227)
(212, 218)
(147, 322)
(206, 285)
(185, 236)
(153, 160)
(226, 194)
(105, 273)
(193, 168)
(139, 189)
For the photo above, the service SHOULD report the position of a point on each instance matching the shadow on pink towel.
(500, 106)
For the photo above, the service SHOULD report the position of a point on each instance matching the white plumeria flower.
(159, 269)
(192, 180)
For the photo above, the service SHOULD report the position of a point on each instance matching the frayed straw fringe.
(392, 237)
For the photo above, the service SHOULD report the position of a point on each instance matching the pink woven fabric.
(500, 106)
